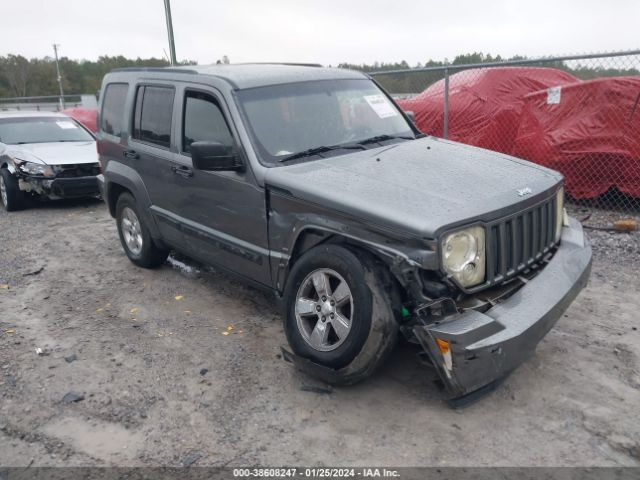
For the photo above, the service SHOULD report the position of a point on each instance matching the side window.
(203, 120)
(152, 116)
(113, 108)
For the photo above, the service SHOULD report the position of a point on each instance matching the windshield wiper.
(382, 138)
(322, 149)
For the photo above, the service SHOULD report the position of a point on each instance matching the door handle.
(185, 172)
(131, 154)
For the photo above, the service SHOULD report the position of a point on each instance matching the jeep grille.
(517, 242)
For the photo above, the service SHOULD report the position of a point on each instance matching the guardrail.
(49, 103)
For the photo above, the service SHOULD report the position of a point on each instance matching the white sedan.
(45, 154)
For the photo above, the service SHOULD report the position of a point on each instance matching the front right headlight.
(464, 255)
(38, 169)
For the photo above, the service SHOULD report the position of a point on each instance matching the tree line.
(22, 77)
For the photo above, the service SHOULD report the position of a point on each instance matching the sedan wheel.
(3, 191)
(12, 198)
(324, 309)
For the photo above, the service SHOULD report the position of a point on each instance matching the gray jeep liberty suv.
(312, 183)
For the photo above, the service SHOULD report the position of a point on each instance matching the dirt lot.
(143, 339)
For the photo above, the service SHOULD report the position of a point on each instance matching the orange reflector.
(443, 345)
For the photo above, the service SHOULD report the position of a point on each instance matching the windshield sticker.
(66, 124)
(381, 106)
(553, 95)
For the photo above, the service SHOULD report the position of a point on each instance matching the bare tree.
(16, 70)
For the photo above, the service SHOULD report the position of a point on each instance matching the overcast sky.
(323, 31)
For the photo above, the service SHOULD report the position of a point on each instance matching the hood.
(57, 153)
(420, 186)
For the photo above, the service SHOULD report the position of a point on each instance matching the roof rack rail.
(154, 69)
(292, 64)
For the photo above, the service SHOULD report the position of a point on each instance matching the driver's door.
(223, 212)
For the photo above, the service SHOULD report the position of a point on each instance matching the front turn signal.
(443, 345)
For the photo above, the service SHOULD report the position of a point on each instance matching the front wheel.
(339, 311)
(134, 235)
(12, 198)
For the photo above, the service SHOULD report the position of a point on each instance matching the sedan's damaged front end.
(57, 181)
(46, 155)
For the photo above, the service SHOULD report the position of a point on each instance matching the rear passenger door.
(152, 153)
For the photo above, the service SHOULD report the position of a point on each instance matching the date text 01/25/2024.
(316, 472)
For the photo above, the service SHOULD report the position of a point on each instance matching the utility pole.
(55, 51)
(172, 45)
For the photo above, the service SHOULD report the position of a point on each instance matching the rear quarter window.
(112, 115)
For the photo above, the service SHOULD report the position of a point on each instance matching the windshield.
(285, 120)
(15, 131)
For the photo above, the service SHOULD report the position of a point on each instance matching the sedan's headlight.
(559, 213)
(39, 169)
(464, 256)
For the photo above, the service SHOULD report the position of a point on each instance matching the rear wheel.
(12, 198)
(339, 311)
(134, 235)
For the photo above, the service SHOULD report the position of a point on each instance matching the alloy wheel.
(324, 309)
(3, 191)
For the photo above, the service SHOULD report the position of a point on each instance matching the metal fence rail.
(50, 103)
(593, 100)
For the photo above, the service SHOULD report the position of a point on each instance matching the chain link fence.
(579, 115)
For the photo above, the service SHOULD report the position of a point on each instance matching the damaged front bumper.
(472, 350)
(55, 188)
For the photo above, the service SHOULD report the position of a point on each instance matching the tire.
(11, 197)
(134, 235)
(353, 353)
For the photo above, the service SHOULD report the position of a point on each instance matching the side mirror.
(214, 156)
(411, 115)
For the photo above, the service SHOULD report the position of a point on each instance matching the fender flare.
(126, 177)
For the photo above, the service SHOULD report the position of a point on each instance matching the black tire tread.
(15, 198)
(384, 326)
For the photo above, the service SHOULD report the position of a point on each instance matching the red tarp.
(589, 131)
(484, 104)
(86, 116)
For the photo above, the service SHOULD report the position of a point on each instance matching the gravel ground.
(181, 366)
(618, 247)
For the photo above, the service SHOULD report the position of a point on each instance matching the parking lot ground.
(182, 365)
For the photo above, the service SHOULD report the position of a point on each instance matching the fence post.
(445, 126)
